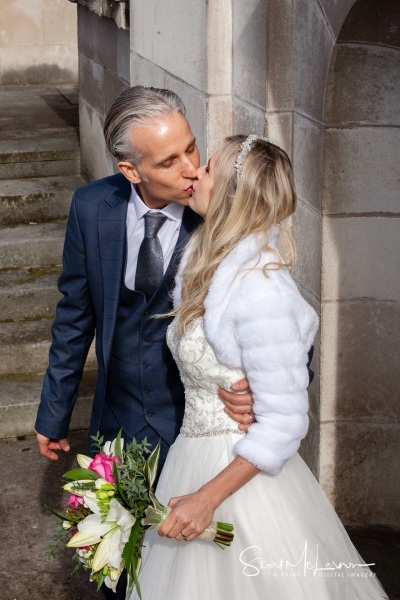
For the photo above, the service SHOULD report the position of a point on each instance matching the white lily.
(109, 447)
(84, 461)
(109, 551)
(112, 578)
(111, 535)
(90, 531)
(73, 486)
(91, 501)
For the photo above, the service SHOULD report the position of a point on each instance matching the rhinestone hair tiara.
(244, 150)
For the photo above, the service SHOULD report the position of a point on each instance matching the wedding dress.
(289, 543)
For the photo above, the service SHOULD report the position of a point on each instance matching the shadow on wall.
(38, 74)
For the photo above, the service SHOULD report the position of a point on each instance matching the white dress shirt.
(168, 234)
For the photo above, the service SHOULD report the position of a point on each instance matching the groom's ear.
(130, 171)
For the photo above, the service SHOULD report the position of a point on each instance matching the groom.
(123, 242)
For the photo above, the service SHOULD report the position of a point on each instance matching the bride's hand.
(189, 517)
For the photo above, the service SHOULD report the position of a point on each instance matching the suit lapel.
(112, 238)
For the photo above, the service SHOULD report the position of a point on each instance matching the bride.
(239, 313)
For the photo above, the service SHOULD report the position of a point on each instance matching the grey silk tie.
(150, 264)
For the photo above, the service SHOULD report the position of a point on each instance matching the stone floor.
(29, 482)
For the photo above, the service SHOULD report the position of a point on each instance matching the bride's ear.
(129, 171)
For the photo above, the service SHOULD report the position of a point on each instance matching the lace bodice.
(201, 375)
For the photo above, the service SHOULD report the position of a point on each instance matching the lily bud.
(84, 461)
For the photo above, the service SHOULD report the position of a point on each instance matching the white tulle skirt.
(289, 543)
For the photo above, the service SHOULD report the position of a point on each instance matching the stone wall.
(103, 76)
(360, 261)
(38, 42)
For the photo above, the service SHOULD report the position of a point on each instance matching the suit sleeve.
(72, 334)
(275, 336)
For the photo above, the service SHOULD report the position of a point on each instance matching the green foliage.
(60, 535)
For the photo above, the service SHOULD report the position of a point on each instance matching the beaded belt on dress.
(188, 433)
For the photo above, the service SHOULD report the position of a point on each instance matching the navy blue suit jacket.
(93, 264)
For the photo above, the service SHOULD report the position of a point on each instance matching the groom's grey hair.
(136, 106)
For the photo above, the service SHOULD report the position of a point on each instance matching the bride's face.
(203, 186)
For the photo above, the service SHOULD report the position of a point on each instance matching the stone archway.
(359, 466)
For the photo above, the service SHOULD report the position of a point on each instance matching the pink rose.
(103, 466)
(75, 500)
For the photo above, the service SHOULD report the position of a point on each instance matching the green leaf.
(77, 474)
(151, 465)
(117, 446)
(63, 518)
(155, 502)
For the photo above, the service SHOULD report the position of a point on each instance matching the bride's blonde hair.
(241, 204)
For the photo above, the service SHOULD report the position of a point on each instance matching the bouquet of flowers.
(111, 504)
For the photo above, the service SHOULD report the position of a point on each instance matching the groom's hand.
(47, 445)
(239, 403)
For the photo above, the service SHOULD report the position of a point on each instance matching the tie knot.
(153, 223)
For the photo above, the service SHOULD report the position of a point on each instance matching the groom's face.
(170, 159)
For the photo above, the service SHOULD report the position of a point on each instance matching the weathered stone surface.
(19, 401)
(31, 245)
(313, 44)
(24, 347)
(97, 161)
(60, 24)
(171, 35)
(279, 130)
(307, 229)
(360, 258)
(299, 50)
(280, 55)
(360, 371)
(307, 160)
(30, 27)
(118, 10)
(46, 65)
(219, 121)
(360, 470)
(32, 476)
(28, 293)
(101, 40)
(47, 104)
(219, 47)
(91, 86)
(363, 85)
(196, 109)
(361, 170)
(247, 119)
(309, 448)
(39, 199)
(250, 51)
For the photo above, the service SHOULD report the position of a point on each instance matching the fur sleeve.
(274, 336)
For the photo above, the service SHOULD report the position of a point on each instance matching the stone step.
(19, 401)
(37, 156)
(39, 199)
(39, 133)
(24, 347)
(29, 293)
(31, 245)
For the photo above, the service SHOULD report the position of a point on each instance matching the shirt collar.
(173, 211)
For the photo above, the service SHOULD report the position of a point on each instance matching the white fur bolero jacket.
(264, 326)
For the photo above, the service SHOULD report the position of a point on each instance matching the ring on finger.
(250, 418)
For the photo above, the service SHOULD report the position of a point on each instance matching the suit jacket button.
(150, 413)
(147, 338)
(147, 390)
